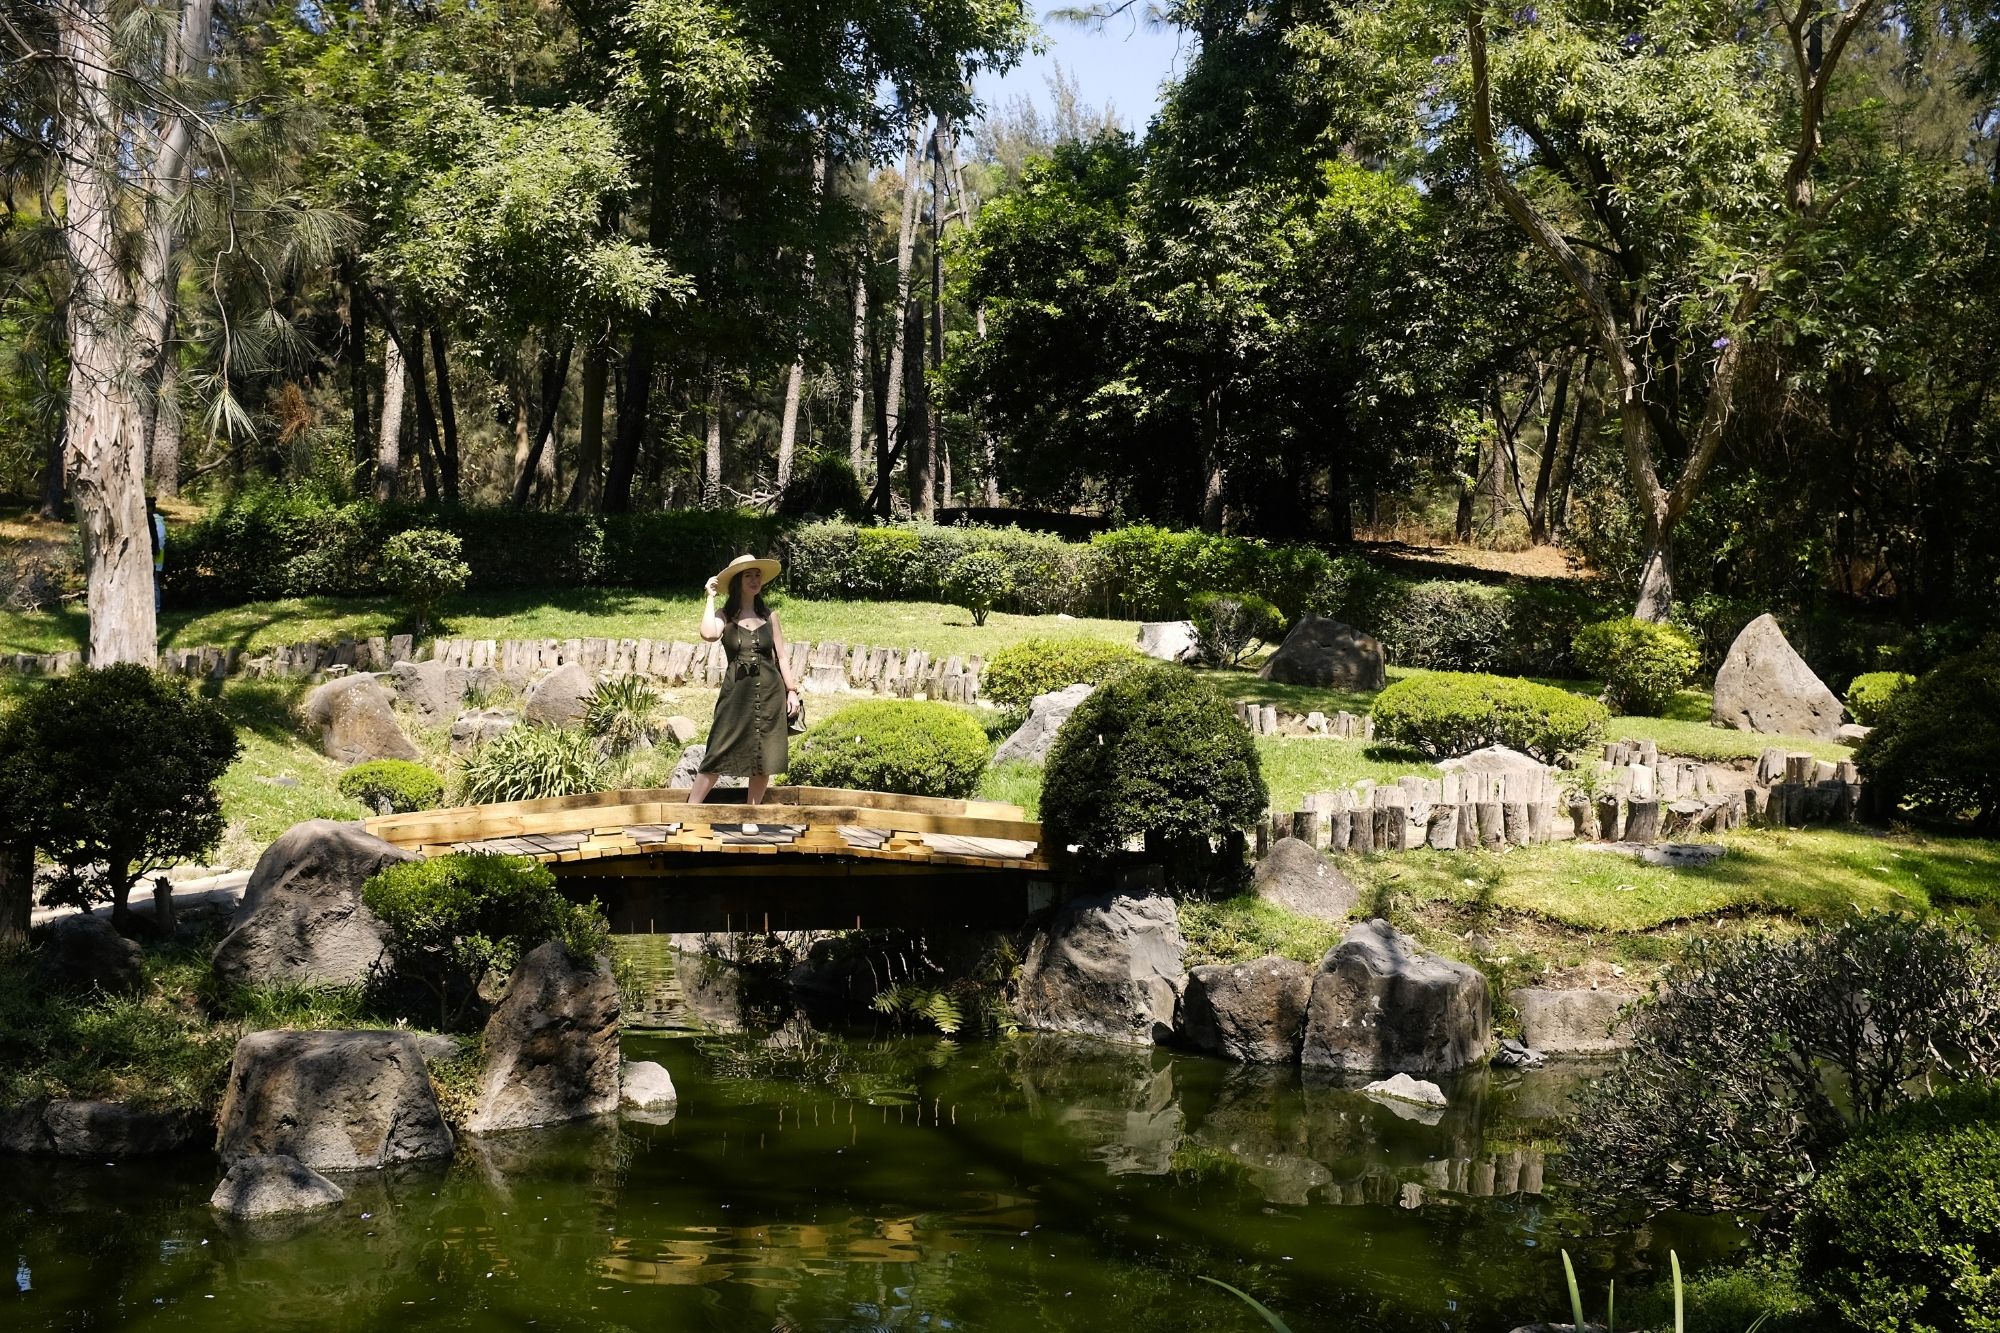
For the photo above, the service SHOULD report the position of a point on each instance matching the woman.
(758, 692)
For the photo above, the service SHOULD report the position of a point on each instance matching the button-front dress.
(748, 736)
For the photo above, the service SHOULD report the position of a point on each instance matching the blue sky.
(1122, 64)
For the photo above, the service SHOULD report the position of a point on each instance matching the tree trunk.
(17, 893)
(927, 496)
(1582, 425)
(55, 475)
(857, 373)
(357, 373)
(1656, 574)
(590, 435)
(906, 245)
(413, 357)
(447, 416)
(389, 443)
(555, 374)
(916, 424)
(633, 405)
(1545, 466)
(789, 426)
(164, 453)
(989, 448)
(711, 471)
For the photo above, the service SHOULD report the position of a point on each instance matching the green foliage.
(393, 786)
(422, 566)
(823, 486)
(1936, 748)
(1451, 713)
(1153, 753)
(1229, 625)
(1761, 1056)
(1016, 674)
(978, 581)
(1901, 1231)
(453, 919)
(623, 713)
(527, 763)
(1869, 693)
(840, 559)
(919, 749)
(1643, 664)
(112, 772)
(1156, 573)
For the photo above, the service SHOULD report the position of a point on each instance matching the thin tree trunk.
(1545, 466)
(590, 435)
(989, 447)
(448, 417)
(17, 893)
(389, 442)
(906, 244)
(711, 472)
(927, 494)
(555, 374)
(357, 373)
(1214, 484)
(857, 373)
(914, 437)
(1581, 427)
(413, 357)
(794, 383)
(164, 452)
(55, 475)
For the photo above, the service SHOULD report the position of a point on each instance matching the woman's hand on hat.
(709, 587)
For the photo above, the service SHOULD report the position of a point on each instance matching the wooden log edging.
(1268, 720)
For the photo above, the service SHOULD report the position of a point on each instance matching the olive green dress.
(748, 737)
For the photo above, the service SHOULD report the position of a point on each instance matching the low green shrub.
(1228, 625)
(1019, 672)
(392, 786)
(1901, 1231)
(454, 919)
(1935, 749)
(1450, 713)
(979, 581)
(1155, 753)
(1869, 693)
(529, 763)
(623, 713)
(1643, 664)
(423, 567)
(918, 749)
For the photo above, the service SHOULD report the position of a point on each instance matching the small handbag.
(795, 721)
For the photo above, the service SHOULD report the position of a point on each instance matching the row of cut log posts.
(1457, 812)
(40, 664)
(1645, 797)
(1799, 789)
(1267, 720)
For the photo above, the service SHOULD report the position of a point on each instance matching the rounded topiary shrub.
(392, 786)
(424, 566)
(1869, 693)
(1153, 753)
(979, 581)
(1448, 713)
(1902, 1229)
(1016, 674)
(1935, 749)
(530, 763)
(1642, 663)
(1227, 625)
(918, 749)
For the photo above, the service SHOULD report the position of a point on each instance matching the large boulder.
(1297, 877)
(356, 721)
(1110, 965)
(1495, 759)
(95, 1131)
(1169, 640)
(302, 919)
(267, 1186)
(1320, 650)
(688, 766)
(1381, 1004)
(470, 730)
(82, 953)
(645, 1085)
(1253, 1013)
(551, 1045)
(1046, 714)
(336, 1101)
(557, 699)
(1575, 1022)
(1764, 685)
(434, 691)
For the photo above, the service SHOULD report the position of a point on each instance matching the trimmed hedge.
(918, 749)
(1868, 694)
(1902, 1229)
(400, 784)
(1044, 574)
(1451, 713)
(1018, 673)
(1935, 749)
(1642, 663)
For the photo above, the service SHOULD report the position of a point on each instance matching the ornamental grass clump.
(1447, 713)
(530, 763)
(1643, 664)
(1156, 754)
(623, 713)
(918, 749)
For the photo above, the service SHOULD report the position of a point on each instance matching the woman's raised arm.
(711, 623)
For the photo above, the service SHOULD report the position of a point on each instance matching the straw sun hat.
(769, 569)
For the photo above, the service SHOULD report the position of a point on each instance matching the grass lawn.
(563, 613)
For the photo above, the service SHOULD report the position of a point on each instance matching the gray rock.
(551, 1045)
(1253, 1013)
(1403, 1088)
(1380, 1002)
(688, 766)
(268, 1186)
(1322, 651)
(472, 729)
(83, 952)
(1575, 1022)
(1852, 733)
(1764, 685)
(95, 1131)
(556, 700)
(1495, 759)
(336, 1101)
(646, 1086)
(1110, 965)
(1295, 876)
(302, 920)
(1517, 1055)
(680, 730)
(434, 691)
(1169, 640)
(356, 721)
(1046, 714)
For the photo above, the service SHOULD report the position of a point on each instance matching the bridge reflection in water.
(810, 858)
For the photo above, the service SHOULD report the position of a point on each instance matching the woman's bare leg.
(704, 783)
(758, 786)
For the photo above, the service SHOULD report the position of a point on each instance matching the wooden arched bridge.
(810, 858)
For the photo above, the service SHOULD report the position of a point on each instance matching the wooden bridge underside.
(810, 858)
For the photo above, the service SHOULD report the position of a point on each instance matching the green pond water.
(858, 1182)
